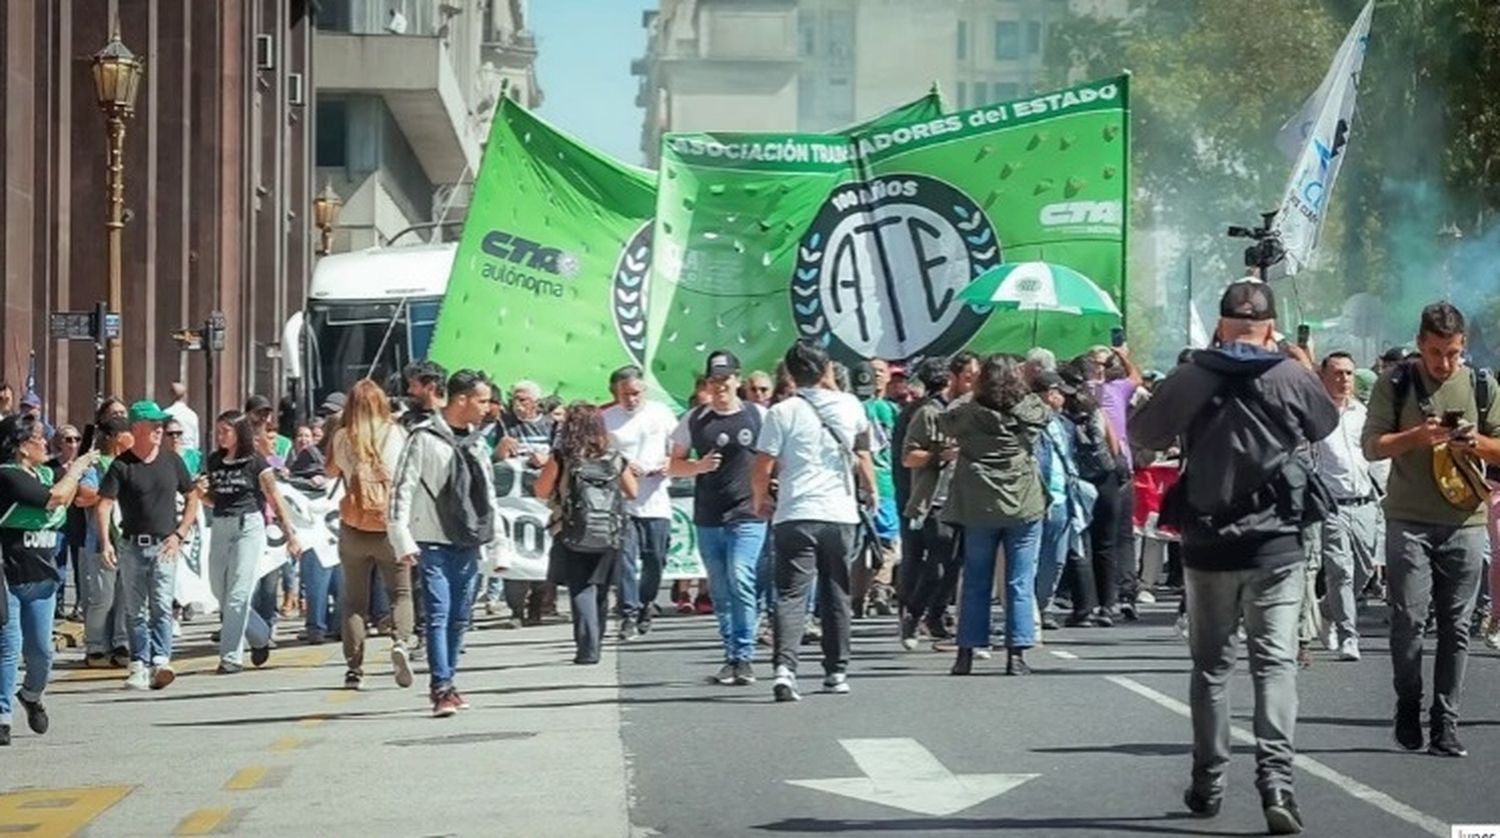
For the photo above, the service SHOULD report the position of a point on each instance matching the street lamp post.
(117, 77)
(325, 213)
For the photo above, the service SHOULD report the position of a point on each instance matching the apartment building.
(406, 90)
(817, 65)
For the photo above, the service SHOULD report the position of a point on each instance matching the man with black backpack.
(1242, 411)
(1436, 421)
(442, 514)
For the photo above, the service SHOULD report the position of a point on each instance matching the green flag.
(865, 242)
(554, 228)
(549, 282)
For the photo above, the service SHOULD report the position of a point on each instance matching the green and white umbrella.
(1038, 287)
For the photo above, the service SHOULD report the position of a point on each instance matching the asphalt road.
(1094, 743)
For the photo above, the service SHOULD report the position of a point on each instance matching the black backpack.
(592, 506)
(1091, 450)
(466, 509)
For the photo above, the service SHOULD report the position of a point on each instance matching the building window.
(1004, 91)
(963, 96)
(333, 132)
(981, 94)
(1033, 38)
(963, 40)
(1007, 40)
(809, 36)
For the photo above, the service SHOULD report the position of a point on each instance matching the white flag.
(1318, 133)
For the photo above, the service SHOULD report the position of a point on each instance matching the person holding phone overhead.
(715, 444)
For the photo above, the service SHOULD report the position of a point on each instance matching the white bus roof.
(384, 273)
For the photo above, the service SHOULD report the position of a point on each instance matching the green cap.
(147, 411)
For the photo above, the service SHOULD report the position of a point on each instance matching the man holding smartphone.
(1435, 545)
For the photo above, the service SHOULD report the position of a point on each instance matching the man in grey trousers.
(1435, 542)
(1241, 411)
(1347, 538)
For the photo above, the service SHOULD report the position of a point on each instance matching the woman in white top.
(365, 451)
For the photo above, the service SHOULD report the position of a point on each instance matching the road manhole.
(462, 738)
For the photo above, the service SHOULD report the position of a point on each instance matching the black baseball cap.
(257, 403)
(722, 363)
(1248, 299)
(862, 380)
(114, 426)
(1048, 380)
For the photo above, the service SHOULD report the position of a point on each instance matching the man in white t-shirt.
(641, 431)
(817, 445)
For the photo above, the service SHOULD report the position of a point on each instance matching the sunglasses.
(72, 439)
(760, 389)
(174, 433)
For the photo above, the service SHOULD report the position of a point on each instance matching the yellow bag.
(1459, 478)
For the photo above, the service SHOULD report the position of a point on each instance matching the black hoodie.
(1230, 453)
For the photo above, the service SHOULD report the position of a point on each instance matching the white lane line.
(1067, 656)
(1372, 796)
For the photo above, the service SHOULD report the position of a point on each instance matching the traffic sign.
(71, 325)
(80, 325)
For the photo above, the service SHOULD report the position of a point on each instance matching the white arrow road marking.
(902, 774)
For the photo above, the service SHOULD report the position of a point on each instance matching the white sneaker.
(983, 654)
(401, 665)
(1182, 626)
(1490, 628)
(139, 678)
(1145, 597)
(836, 683)
(1331, 637)
(176, 628)
(1349, 649)
(785, 685)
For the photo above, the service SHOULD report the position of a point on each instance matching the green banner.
(551, 225)
(864, 242)
(550, 279)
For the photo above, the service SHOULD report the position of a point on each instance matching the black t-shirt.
(147, 492)
(30, 548)
(723, 496)
(234, 485)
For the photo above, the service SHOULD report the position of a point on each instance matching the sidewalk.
(286, 750)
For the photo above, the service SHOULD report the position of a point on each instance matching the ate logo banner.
(879, 270)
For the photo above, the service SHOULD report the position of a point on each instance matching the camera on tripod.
(1267, 249)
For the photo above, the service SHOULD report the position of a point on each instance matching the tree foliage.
(1214, 80)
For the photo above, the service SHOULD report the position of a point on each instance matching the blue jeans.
(1021, 542)
(731, 555)
(1057, 531)
(318, 584)
(233, 556)
(448, 578)
(641, 563)
(28, 633)
(150, 584)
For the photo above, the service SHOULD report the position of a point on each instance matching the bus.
(370, 312)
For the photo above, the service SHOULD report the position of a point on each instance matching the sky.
(584, 50)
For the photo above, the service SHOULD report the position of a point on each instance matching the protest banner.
(864, 241)
(550, 279)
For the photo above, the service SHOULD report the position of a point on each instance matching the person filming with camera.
(1243, 411)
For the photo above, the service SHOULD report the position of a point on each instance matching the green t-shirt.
(1413, 494)
(882, 415)
(282, 448)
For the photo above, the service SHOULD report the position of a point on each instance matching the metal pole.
(210, 356)
(114, 228)
(100, 310)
